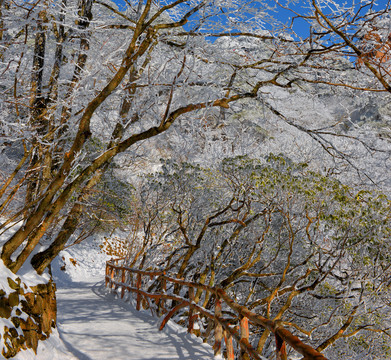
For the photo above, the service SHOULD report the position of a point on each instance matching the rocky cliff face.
(27, 314)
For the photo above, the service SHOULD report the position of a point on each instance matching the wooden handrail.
(222, 326)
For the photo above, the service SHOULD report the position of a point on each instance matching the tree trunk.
(42, 259)
(37, 113)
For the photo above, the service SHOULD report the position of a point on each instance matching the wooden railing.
(153, 294)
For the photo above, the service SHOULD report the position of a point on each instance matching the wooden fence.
(156, 298)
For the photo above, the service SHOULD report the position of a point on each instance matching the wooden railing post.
(244, 337)
(218, 328)
(229, 346)
(112, 278)
(138, 286)
(107, 274)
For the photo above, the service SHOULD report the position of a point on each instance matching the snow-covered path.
(94, 325)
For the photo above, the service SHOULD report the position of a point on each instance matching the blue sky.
(301, 27)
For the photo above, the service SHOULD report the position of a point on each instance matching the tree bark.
(37, 111)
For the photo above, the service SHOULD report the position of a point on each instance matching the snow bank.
(50, 349)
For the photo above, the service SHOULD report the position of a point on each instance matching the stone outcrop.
(29, 312)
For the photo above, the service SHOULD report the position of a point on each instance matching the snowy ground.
(94, 325)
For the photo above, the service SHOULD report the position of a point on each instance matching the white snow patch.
(50, 349)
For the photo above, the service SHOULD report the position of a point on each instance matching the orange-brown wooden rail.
(116, 278)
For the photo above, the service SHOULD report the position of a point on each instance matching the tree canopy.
(90, 89)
